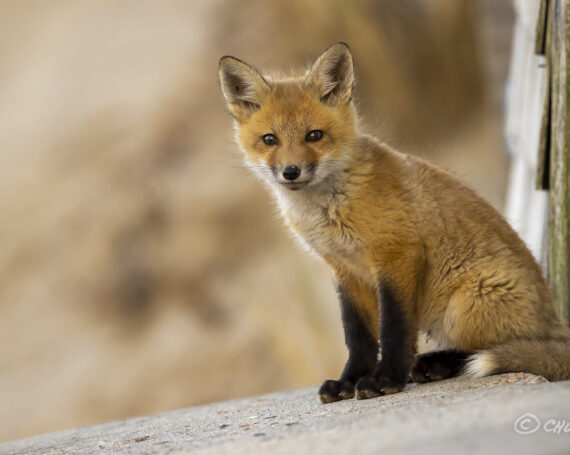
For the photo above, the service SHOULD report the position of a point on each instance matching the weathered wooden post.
(553, 40)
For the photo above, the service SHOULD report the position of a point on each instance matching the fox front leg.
(362, 344)
(397, 345)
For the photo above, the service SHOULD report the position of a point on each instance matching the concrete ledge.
(455, 416)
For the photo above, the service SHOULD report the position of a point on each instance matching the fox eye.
(314, 136)
(270, 139)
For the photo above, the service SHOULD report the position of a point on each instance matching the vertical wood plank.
(543, 160)
(542, 46)
(541, 26)
(559, 216)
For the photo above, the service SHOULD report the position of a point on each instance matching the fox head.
(295, 132)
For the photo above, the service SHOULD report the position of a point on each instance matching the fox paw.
(438, 365)
(421, 372)
(371, 387)
(367, 387)
(332, 391)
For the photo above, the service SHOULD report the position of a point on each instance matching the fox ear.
(332, 75)
(243, 87)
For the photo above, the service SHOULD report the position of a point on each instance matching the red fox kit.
(411, 248)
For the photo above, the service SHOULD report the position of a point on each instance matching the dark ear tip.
(340, 46)
(230, 58)
(225, 58)
(341, 43)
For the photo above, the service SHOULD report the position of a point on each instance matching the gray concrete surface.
(454, 416)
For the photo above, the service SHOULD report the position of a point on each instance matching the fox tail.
(549, 358)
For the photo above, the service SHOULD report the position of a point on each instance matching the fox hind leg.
(438, 365)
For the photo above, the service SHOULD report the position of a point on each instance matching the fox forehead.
(291, 110)
(288, 103)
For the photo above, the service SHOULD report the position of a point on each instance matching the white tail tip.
(479, 365)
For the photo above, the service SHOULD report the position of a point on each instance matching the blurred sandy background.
(141, 268)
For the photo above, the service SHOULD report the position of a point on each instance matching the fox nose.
(291, 172)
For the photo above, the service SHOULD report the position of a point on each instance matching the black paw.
(419, 375)
(421, 371)
(438, 365)
(371, 387)
(367, 387)
(332, 391)
(390, 385)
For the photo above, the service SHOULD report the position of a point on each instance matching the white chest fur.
(319, 219)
